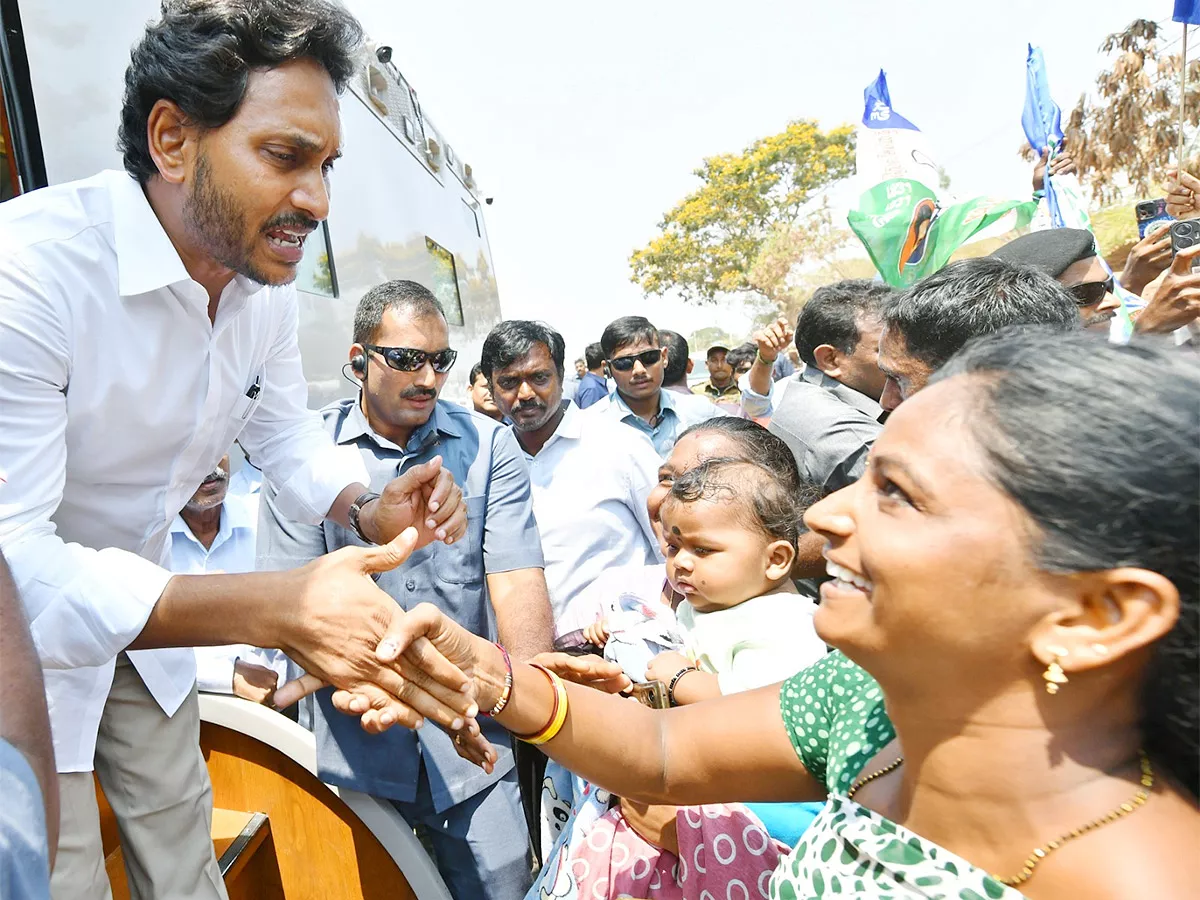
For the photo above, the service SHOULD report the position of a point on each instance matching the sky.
(585, 121)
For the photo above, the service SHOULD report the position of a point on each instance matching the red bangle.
(543, 734)
(506, 694)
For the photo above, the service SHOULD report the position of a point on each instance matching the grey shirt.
(828, 427)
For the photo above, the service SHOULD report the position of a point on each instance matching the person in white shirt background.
(148, 320)
(214, 534)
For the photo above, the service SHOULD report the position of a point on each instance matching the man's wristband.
(355, 512)
(762, 359)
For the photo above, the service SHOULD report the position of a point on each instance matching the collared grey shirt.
(489, 466)
(828, 427)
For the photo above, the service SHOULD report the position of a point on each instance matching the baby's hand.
(665, 666)
(597, 632)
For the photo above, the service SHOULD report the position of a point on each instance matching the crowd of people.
(901, 600)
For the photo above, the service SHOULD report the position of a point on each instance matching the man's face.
(529, 391)
(719, 370)
(860, 369)
(904, 374)
(259, 184)
(403, 401)
(580, 368)
(481, 397)
(212, 490)
(1081, 278)
(645, 378)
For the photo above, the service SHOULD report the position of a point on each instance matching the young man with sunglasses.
(636, 361)
(490, 582)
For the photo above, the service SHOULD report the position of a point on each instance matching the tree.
(709, 241)
(1127, 132)
(710, 336)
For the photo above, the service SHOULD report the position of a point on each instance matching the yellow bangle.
(557, 718)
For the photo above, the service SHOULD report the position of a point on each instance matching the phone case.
(1151, 213)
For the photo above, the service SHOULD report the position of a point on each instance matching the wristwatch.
(356, 509)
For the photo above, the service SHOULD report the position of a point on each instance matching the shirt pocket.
(462, 561)
(250, 398)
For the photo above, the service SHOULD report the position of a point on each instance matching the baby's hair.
(760, 497)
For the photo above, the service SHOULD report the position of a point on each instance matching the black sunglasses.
(406, 359)
(647, 358)
(1091, 292)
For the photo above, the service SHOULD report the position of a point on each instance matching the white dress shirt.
(231, 552)
(677, 412)
(118, 397)
(590, 482)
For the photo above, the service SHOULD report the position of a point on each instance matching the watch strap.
(355, 511)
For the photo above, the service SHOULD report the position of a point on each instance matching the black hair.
(476, 371)
(974, 297)
(678, 353)
(512, 340)
(201, 52)
(627, 330)
(758, 445)
(1100, 444)
(831, 315)
(403, 296)
(741, 353)
(593, 356)
(762, 498)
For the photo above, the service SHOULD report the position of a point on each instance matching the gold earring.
(1054, 674)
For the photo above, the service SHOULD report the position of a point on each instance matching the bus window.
(444, 281)
(316, 274)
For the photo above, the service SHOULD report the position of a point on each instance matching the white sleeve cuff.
(755, 405)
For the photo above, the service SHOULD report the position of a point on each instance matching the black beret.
(1053, 251)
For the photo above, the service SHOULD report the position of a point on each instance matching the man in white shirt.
(214, 534)
(590, 475)
(147, 320)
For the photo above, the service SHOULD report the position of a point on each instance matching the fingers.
(1184, 259)
(412, 634)
(590, 671)
(386, 557)
(295, 690)
(476, 749)
(443, 487)
(449, 523)
(414, 477)
(378, 710)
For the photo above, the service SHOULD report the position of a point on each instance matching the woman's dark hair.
(760, 496)
(201, 52)
(512, 340)
(627, 330)
(1101, 446)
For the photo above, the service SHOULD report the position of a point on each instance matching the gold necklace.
(1131, 805)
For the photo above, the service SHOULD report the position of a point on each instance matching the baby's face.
(713, 558)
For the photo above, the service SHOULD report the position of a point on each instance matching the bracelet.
(675, 680)
(769, 363)
(506, 694)
(557, 718)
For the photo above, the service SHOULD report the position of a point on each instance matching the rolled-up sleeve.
(288, 441)
(84, 605)
(755, 405)
(510, 534)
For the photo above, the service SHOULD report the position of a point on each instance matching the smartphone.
(1151, 213)
(1185, 234)
(652, 694)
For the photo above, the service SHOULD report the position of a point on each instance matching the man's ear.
(690, 366)
(829, 359)
(172, 141)
(780, 556)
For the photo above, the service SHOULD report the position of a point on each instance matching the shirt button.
(410, 584)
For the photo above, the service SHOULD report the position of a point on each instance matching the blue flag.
(1041, 119)
(877, 107)
(1187, 11)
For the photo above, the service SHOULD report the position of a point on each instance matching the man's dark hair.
(593, 356)
(1132, 500)
(403, 296)
(201, 52)
(476, 371)
(677, 357)
(627, 330)
(831, 315)
(971, 298)
(742, 353)
(511, 341)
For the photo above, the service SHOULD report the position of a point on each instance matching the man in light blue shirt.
(490, 582)
(636, 361)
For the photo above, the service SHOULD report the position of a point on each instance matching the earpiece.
(358, 363)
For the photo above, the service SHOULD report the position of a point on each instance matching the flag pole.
(1182, 94)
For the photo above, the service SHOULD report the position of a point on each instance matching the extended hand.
(665, 666)
(338, 633)
(1063, 164)
(589, 670)
(254, 682)
(425, 497)
(773, 339)
(1174, 299)
(1147, 259)
(1183, 194)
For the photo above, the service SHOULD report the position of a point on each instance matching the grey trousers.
(156, 781)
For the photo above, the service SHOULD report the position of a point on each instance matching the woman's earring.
(1054, 674)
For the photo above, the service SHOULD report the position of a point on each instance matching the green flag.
(909, 235)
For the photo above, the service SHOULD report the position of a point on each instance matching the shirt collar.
(847, 395)
(146, 259)
(236, 515)
(666, 401)
(354, 425)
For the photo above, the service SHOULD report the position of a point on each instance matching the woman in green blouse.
(1012, 707)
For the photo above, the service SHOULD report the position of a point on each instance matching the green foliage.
(708, 243)
(700, 340)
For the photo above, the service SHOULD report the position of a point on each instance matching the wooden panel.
(256, 874)
(324, 851)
